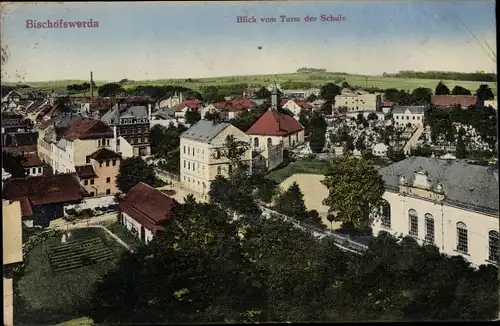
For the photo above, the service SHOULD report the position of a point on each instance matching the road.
(412, 142)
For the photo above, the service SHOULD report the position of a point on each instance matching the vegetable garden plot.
(76, 254)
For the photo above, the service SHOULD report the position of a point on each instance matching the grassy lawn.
(124, 234)
(299, 166)
(46, 296)
(317, 79)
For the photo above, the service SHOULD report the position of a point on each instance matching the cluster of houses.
(72, 153)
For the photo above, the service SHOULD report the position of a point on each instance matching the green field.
(48, 294)
(299, 166)
(317, 79)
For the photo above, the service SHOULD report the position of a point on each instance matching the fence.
(92, 203)
(341, 241)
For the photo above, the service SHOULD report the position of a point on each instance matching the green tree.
(459, 90)
(329, 91)
(461, 148)
(304, 117)
(263, 93)
(355, 190)
(395, 155)
(132, 171)
(291, 203)
(212, 116)
(110, 90)
(484, 93)
(317, 140)
(311, 98)
(12, 164)
(442, 89)
(421, 96)
(246, 119)
(192, 117)
(372, 116)
(211, 94)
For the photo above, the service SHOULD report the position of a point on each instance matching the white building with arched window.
(451, 205)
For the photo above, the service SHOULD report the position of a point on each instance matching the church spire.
(274, 97)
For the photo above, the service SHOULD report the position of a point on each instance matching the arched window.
(413, 223)
(269, 142)
(462, 238)
(256, 142)
(386, 215)
(429, 228)
(493, 246)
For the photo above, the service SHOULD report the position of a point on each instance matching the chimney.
(149, 111)
(91, 87)
(115, 138)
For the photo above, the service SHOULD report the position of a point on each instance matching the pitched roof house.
(274, 123)
(448, 101)
(144, 210)
(52, 192)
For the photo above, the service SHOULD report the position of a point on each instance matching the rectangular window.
(114, 162)
(39, 170)
(92, 193)
(219, 170)
(413, 225)
(107, 162)
(462, 240)
(386, 216)
(189, 151)
(184, 147)
(91, 181)
(108, 191)
(429, 229)
(184, 163)
(99, 143)
(189, 165)
(100, 164)
(88, 159)
(108, 180)
(85, 182)
(194, 167)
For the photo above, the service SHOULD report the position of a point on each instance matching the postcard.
(249, 162)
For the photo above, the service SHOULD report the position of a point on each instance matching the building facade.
(451, 205)
(144, 210)
(200, 157)
(404, 115)
(358, 101)
(98, 176)
(132, 122)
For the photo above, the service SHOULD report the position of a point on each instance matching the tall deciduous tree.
(329, 91)
(132, 171)
(192, 116)
(13, 164)
(484, 93)
(355, 190)
(421, 96)
(442, 89)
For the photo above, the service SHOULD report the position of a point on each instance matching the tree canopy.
(355, 190)
(329, 91)
(110, 90)
(132, 171)
(442, 89)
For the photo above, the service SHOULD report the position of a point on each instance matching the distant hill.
(310, 70)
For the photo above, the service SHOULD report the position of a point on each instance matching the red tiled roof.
(148, 206)
(103, 154)
(451, 100)
(273, 123)
(43, 190)
(192, 104)
(29, 149)
(386, 104)
(25, 206)
(85, 171)
(235, 105)
(87, 128)
(31, 160)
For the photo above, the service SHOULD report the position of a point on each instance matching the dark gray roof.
(465, 185)
(137, 111)
(413, 109)
(204, 130)
(164, 113)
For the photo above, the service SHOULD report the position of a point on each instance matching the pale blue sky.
(202, 39)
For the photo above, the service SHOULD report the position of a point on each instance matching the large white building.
(449, 204)
(404, 115)
(358, 101)
(201, 159)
